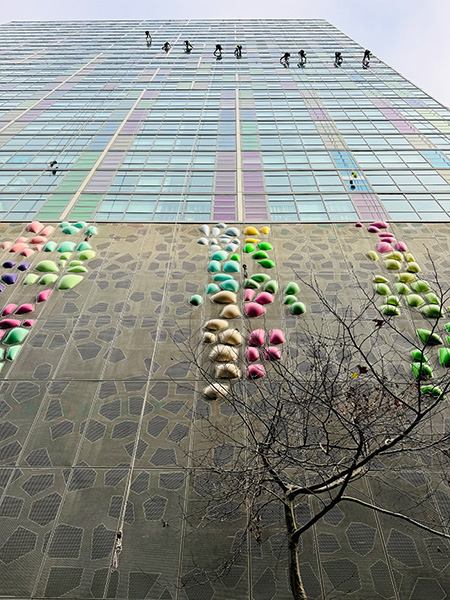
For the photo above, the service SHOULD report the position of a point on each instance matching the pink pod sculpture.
(47, 230)
(27, 252)
(22, 240)
(380, 224)
(257, 337)
(358, 224)
(272, 353)
(28, 323)
(2, 333)
(264, 298)
(38, 239)
(385, 235)
(252, 354)
(401, 247)
(35, 227)
(25, 308)
(9, 323)
(373, 229)
(6, 245)
(255, 371)
(39, 247)
(384, 247)
(253, 309)
(10, 308)
(276, 336)
(43, 296)
(248, 295)
(18, 247)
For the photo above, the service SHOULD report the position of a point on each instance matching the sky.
(409, 35)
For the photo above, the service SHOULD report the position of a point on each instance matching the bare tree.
(342, 405)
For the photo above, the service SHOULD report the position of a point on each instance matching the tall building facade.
(113, 153)
(144, 135)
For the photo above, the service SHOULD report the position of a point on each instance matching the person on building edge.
(366, 59)
(148, 37)
(166, 46)
(188, 46)
(284, 60)
(302, 60)
(117, 550)
(338, 60)
(218, 51)
(238, 51)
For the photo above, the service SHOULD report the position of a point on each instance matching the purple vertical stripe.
(151, 94)
(251, 160)
(405, 127)
(68, 86)
(369, 207)
(415, 102)
(255, 208)
(224, 208)
(112, 160)
(381, 102)
(138, 115)
(255, 200)
(225, 160)
(225, 183)
(253, 182)
(131, 127)
(391, 113)
(398, 121)
(319, 114)
(30, 115)
(101, 180)
(45, 103)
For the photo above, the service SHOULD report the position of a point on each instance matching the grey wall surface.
(100, 398)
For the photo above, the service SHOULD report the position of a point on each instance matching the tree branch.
(397, 515)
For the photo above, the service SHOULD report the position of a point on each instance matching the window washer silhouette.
(284, 60)
(366, 59)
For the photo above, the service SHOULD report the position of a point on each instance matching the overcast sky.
(410, 35)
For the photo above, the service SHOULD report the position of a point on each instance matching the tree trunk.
(298, 591)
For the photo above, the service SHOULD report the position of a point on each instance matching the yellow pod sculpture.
(251, 231)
